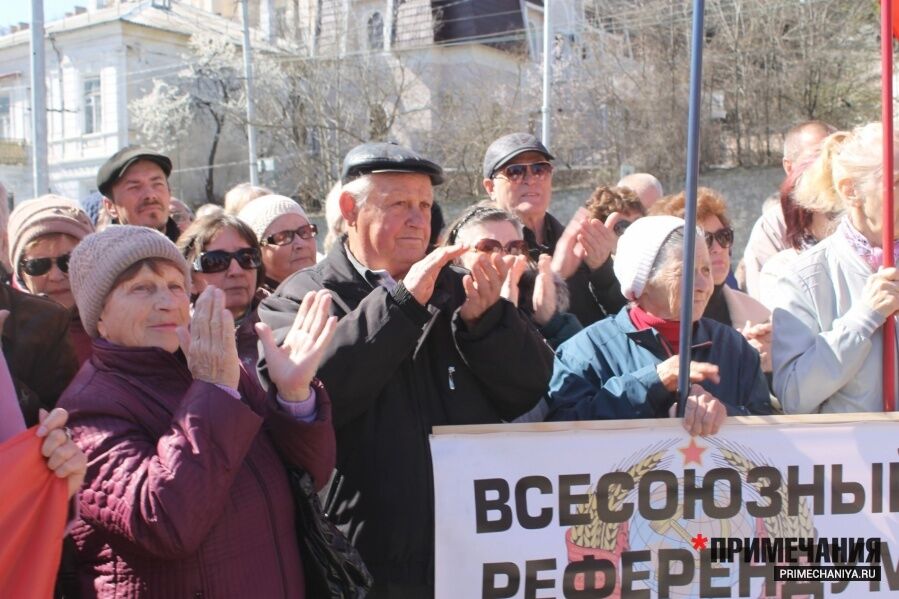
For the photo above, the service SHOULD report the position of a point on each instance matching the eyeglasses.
(516, 172)
(516, 247)
(285, 237)
(220, 260)
(724, 237)
(35, 267)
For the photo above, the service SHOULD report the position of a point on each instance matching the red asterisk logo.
(699, 542)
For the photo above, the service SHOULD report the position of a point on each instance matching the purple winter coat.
(186, 494)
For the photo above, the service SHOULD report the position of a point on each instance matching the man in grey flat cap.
(518, 173)
(135, 187)
(419, 343)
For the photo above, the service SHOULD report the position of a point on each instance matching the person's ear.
(847, 190)
(488, 187)
(348, 208)
(110, 208)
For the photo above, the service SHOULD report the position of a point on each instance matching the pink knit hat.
(43, 216)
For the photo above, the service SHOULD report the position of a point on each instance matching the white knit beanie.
(100, 258)
(262, 212)
(637, 251)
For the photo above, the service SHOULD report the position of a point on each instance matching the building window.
(5, 119)
(92, 113)
(376, 32)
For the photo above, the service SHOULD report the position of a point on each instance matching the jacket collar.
(140, 362)
(651, 340)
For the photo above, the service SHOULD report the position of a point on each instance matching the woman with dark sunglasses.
(42, 234)
(533, 287)
(223, 252)
(726, 305)
(286, 236)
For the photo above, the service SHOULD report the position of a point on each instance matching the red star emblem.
(699, 542)
(692, 452)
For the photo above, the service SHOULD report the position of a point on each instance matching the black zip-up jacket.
(394, 370)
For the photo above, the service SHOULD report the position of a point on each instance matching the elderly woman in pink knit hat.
(285, 234)
(626, 366)
(42, 234)
(187, 491)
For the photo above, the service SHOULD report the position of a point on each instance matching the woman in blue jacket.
(626, 366)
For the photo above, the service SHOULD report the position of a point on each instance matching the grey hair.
(333, 216)
(482, 212)
(359, 188)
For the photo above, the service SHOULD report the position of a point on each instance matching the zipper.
(450, 372)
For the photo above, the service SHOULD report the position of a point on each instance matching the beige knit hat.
(262, 212)
(637, 250)
(43, 216)
(101, 257)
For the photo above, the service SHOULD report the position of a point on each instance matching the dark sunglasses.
(724, 237)
(516, 172)
(35, 267)
(285, 237)
(621, 226)
(220, 260)
(516, 247)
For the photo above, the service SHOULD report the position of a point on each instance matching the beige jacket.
(742, 308)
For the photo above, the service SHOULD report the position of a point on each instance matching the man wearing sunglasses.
(518, 177)
(419, 343)
(135, 187)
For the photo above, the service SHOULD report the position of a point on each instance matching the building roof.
(177, 18)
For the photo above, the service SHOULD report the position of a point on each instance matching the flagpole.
(886, 65)
(686, 314)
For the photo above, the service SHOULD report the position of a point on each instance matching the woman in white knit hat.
(626, 366)
(187, 490)
(42, 234)
(285, 234)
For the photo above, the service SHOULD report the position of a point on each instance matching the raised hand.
(421, 278)
(483, 286)
(517, 266)
(759, 337)
(544, 299)
(881, 292)
(64, 458)
(569, 253)
(597, 242)
(292, 366)
(210, 345)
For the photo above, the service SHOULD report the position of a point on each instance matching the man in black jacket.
(518, 177)
(419, 343)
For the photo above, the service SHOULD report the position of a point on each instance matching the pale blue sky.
(13, 11)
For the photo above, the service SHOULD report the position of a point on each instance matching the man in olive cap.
(135, 186)
(419, 343)
(518, 172)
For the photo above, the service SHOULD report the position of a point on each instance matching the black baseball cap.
(387, 157)
(119, 162)
(508, 147)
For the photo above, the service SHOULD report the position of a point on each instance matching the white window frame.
(92, 99)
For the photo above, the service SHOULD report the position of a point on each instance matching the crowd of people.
(180, 366)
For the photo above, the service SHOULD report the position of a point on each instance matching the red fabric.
(33, 512)
(668, 329)
(895, 19)
(186, 493)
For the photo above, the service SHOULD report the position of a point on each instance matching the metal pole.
(40, 176)
(686, 314)
(886, 64)
(251, 109)
(547, 72)
(389, 25)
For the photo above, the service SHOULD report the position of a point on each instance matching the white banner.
(635, 509)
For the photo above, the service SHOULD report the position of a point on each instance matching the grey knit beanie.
(262, 212)
(43, 216)
(101, 257)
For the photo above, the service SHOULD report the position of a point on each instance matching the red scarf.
(669, 329)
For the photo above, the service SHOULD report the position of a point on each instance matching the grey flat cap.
(508, 147)
(390, 157)
(119, 162)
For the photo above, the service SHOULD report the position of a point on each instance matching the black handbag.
(333, 567)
